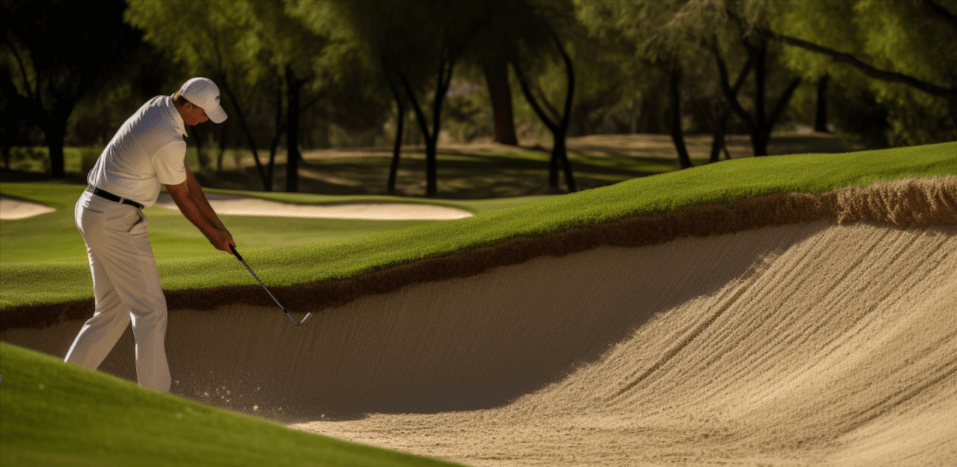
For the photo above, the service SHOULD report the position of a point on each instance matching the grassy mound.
(56, 414)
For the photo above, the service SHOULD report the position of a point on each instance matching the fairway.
(825, 336)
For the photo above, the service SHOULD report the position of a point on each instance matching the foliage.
(896, 36)
(53, 55)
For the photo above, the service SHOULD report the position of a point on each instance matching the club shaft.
(240, 258)
(264, 285)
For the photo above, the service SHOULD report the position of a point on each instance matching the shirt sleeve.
(169, 163)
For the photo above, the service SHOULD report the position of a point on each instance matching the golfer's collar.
(180, 125)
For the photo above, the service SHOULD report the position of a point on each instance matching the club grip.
(236, 253)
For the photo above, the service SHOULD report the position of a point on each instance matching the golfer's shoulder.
(157, 114)
(155, 123)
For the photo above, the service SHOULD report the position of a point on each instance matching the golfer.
(148, 150)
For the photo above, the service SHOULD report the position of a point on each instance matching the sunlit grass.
(295, 252)
(57, 414)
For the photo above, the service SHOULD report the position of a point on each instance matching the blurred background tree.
(303, 74)
(897, 55)
(221, 48)
(56, 53)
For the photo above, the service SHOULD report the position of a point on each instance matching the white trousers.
(126, 286)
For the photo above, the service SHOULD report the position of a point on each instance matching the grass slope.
(303, 259)
(56, 414)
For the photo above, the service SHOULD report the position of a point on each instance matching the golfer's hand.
(222, 239)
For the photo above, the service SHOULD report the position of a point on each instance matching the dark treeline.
(300, 74)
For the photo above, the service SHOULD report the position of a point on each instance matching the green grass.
(55, 414)
(53, 238)
(288, 252)
(59, 415)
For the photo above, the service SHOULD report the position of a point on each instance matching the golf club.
(298, 323)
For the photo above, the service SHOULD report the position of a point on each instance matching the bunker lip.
(902, 203)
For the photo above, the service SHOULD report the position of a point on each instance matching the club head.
(305, 318)
(299, 323)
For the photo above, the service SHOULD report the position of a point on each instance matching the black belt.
(110, 196)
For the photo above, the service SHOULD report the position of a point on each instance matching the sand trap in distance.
(16, 209)
(802, 344)
(247, 206)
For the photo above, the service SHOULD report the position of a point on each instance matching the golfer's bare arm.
(192, 202)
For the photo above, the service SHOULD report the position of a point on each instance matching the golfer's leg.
(100, 333)
(133, 272)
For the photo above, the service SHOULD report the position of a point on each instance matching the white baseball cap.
(204, 93)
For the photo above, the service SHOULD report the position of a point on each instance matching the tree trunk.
(397, 147)
(718, 137)
(952, 106)
(758, 141)
(197, 134)
(444, 79)
(677, 135)
(267, 183)
(496, 77)
(779, 108)
(53, 125)
(820, 114)
(222, 146)
(553, 163)
(561, 155)
(560, 136)
(292, 132)
(55, 135)
(280, 127)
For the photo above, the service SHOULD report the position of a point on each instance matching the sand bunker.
(803, 344)
(246, 206)
(16, 209)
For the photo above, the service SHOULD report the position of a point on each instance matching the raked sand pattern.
(815, 343)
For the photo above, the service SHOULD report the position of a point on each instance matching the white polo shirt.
(148, 150)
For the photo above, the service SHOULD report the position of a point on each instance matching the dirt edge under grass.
(913, 202)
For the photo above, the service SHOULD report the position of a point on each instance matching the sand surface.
(802, 344)
(246, 206)
(16, 209)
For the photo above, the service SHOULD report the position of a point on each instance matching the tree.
(707, 25)
(500, 97)
(906, 50)
(373, 32)
(641, 27)
(493, 46)
(761, 123)
(680, 36)
(533, 34)
(219, 47)
(305, 58)
(54, 53)
(415, 44)
(557, 122)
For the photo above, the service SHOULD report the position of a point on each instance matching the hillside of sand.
(830, 341)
